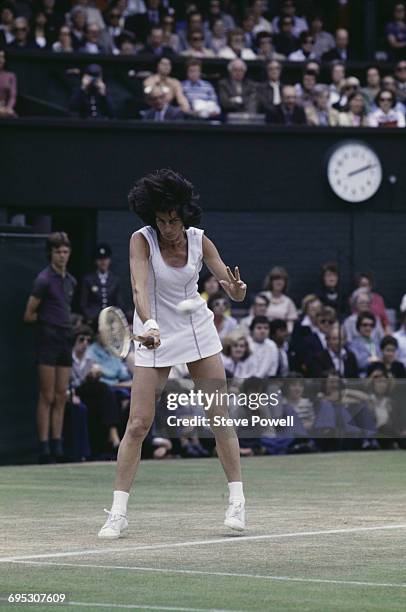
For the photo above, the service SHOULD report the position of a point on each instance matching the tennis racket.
(115, 332)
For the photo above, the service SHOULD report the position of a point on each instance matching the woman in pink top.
(365, 281)
(8, 89)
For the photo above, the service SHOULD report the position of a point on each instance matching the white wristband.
(150, 324)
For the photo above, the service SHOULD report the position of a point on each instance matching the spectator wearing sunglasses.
(386, 115)
(400, 76)
(306, 49)
(196, 46)
(285, 42)
(315, 343)
(365, 348)
(22, 40)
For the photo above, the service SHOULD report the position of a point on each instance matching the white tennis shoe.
(235, 515)
(115, 527)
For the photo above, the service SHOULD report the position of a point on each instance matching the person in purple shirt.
(49, 306)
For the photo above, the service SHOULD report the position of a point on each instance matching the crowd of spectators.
(326, 95)
(335, 359)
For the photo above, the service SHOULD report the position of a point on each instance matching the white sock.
(236, 491)
(120, 500)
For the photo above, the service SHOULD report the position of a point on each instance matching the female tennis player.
(165, 259)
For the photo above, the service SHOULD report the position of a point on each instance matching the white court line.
(136, 606)
(224, 540)
(226, 574)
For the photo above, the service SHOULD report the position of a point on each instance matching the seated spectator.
(217, 13)
(270, 93)
(337, 77)
(395, 32)
(364, 346)
(305, 50)
(55, 18)
(196, 46)
(280, 305)
(22, 39)
(349, 86)
(114, 27)
(160, 110)
(200, 94)
(329, 291)
(285, 42)
(319, 112)
(305, 89)
(237, 94)
(315, 343)
(314, 65)
(400, 336)
(194, 23)
(340, 51)
(304, 327)
(209, 285)
(64, 43)
(217, 36)
(372, 88)
(386, 115)
(224, 323)
(95, 41)
(258, 309)
(93, 14)
(355, 116)
(126, 44)
(289, 112)
(389, 83)
(91, 100)
(155, 47)
(323, 41)
(264, 350)
(300, 408)
(261, 24)
(400, 73)
(7, 16)
(169, 85)
(382, 406)
(78, 23)
(103, 409)
(237, 357)
(39, 29)
(361, 301)
(248, 24)
(389, 346)
(265, 49)
(377, 306)
(143, 21)
(8, 89)
(288, 9)
(279, 333)
(170, 38)
(235, 48)
(336, 356)
(113, 371)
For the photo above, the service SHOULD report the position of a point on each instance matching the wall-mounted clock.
(354, 171)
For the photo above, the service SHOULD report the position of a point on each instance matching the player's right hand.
(152, 339)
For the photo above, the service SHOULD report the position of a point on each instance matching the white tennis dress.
(184, 338)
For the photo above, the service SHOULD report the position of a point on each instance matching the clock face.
(354, 172)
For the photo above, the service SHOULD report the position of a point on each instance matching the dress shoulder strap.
(150, 236)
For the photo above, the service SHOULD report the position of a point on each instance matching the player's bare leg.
(209, 376)
(147, 384)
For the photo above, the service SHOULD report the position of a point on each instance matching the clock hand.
(361, 169)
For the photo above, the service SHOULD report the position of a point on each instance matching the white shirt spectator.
(229, 54)
(266, 357)
(394, 118)
(227, 326)
(299, 56)
(281, 307)
(263, 25)
(240, 369)
(400, 336)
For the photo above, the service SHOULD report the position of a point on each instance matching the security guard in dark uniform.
(100, 288)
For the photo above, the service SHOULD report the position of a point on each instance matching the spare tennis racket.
(115, 332)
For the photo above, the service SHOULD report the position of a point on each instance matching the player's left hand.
(234, 286)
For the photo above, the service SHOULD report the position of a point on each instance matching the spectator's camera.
(95, 72)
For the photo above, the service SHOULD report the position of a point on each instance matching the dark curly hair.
(162, 191)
